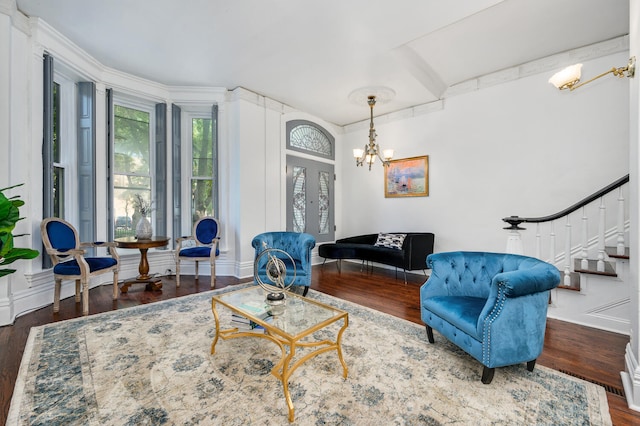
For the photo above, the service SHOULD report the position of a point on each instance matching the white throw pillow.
(393, 241)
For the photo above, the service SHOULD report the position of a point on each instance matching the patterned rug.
(151, 365)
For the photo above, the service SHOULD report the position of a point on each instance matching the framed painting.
(407, 177)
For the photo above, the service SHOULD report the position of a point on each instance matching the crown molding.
(240, 93)
(8, 7)
(543, 65)
(547, 64)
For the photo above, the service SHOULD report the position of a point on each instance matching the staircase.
(595, 288)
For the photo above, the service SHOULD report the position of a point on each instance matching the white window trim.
(68, 151)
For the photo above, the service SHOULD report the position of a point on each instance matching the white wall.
(631, 375)
(520, 148)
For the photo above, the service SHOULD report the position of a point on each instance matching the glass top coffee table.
(288, 327)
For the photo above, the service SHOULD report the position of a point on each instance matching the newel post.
(514, 242)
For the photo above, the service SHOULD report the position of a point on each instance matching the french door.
(310, 198)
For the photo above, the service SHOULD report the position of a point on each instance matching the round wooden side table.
(153, 283)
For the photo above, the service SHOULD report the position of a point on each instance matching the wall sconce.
(372, 150)
(569, 77)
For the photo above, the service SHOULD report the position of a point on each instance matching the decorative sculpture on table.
(278, 280)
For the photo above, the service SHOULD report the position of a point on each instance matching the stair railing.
(514, 242)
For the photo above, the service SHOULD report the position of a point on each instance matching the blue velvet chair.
(491, 305)
(298, 246)
(67, 253)
(205, 236)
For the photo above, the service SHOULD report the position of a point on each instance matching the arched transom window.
(305, 136)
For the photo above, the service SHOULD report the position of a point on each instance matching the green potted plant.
(9, 215)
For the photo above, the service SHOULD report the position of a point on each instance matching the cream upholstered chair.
(206, 236)
(67, 253)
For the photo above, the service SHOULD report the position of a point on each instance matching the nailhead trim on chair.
(495, 312)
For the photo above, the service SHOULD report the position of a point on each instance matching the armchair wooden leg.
(197, 269)
(77, 291)
(430, 334)
(178, 274)
(115, 285)
(85, 297)
(487, 375)
(56, 296)
(531, 365)
(213, 275)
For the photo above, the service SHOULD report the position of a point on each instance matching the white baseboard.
(631, 379)
(161, 262)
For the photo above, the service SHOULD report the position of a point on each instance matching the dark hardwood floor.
(590, 354)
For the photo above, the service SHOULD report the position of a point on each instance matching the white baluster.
(514, 242)
(538, 242)
(552, 244)
(601, 226)
(584, 263)
(567, 254)
(620, 246)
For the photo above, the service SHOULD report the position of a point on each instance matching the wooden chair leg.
(115, 285)
(77, 291)
(213, 274)
(487, 375)
(531, 365)
(56, 295)
(197, 269)
(178, 273)
(85, 297)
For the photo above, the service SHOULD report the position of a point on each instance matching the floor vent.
(611, 389)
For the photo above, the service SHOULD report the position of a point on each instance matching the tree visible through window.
(132, 166)
(202, 168)
(58, 167)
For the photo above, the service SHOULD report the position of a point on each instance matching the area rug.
(151, 365)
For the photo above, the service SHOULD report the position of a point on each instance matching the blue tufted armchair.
(491, 305)
(297, 245)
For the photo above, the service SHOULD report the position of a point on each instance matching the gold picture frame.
(407, 177)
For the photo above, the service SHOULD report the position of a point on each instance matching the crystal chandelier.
(372, 150)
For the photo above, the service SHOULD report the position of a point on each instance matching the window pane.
(58, 191)
(132, 167)
(201, 168)
(56, 123)
(310, 138)
(126, 213)
(201, 199)
(299, 199)
(323, 202)
(202, 147)
(131, 142)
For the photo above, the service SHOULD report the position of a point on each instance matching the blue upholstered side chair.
(67, 253)
(205, 234)
(298, 245)
(492, 305)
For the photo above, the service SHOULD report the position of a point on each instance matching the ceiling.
(311, 55)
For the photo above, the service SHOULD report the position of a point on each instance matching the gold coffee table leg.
(217, 320)
(339, 347)
(286, 373)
